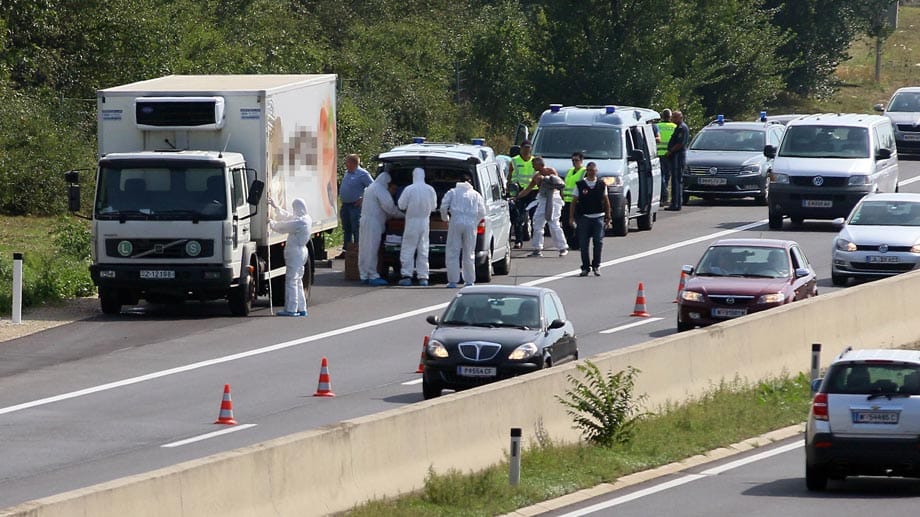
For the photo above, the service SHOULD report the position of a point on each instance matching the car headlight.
(845, 245)
(436, 349)
(613, 181)
(772, 298)
(750, 169)
(524, 351)
(915, 248)
(779, 177)
(858, 180)
(691, 296)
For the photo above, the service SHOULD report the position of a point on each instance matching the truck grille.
(158, 248)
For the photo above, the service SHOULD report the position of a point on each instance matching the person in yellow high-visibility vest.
(573, 176)
(665, 130)
(521, 173)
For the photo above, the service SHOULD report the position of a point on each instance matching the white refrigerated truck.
(180, 211)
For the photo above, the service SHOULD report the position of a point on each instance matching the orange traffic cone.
(640, 309)
(421, 359)
(324, 389)
(226, 409)
(680, 286)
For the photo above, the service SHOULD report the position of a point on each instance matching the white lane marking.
(346, 330)
(643, 321)
(683, 480)
(412, 383)
(209, 435)
(909, 181)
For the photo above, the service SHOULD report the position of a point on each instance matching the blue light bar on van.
(763, 116)
(479, 141)
(608, 109)
(720, 119)
(555, 107)
(418, 140)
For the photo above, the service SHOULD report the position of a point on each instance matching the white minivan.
(827, 162)
(621, 141)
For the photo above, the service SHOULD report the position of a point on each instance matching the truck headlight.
(778, 177)
(844, 245)
(691, 296)
(436, 349)
(523, 352)
(772, 298)
(613, 181)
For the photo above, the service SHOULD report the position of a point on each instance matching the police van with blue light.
(445, 165)
(621, 141)
(725, 159)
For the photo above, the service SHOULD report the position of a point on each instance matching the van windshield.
(597, 143)
(825, 142)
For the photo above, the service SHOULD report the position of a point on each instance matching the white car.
(865, 418)
(904, 111)
(880, 238)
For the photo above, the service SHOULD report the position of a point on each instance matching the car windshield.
(886, 213)
(744, 261)
(494, 310)
(905, 101)
(880, 378)
(597, 143)
(825, 142)
(728, 140)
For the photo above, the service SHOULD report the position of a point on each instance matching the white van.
(826, 163)
(621, 140)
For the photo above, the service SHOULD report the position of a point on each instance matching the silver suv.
(865, 418)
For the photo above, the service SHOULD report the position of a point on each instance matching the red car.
(736, 277)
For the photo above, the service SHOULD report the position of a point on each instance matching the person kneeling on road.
(296, 224)
(418, 200)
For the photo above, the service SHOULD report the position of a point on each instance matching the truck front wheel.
(109, 301)
(243, 296)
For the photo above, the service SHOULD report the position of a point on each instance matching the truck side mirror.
(769, 151)
(255, 192)
(73, 198)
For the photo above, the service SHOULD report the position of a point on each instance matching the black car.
(489, 333)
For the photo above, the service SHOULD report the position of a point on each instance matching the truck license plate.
(817, 203)
(158, 274)
(476, 371)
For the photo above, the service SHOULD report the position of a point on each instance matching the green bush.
(602, 406)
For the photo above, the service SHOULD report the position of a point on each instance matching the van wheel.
(503, 266)
(484, 271)
(815, 479)
(620, 218)
(645, 221)
(109, 301)
(776, 220)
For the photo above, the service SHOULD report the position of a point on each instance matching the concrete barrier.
(331, 469)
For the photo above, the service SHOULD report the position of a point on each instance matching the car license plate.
(875, 417)
(158, 274)
(817, 203)
(712, 181)
(912, 138)
(476, 371)
(882, 259)
(719, 312)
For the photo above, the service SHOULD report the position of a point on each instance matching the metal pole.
(17, 288)
(514, 465)
(815, 360)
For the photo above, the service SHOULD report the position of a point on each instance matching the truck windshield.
(825, 142)
(597, 143)
(169, 192)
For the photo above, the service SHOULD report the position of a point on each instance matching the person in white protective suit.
(377, 206)
(296, 224)
(549, 207)
(463, 208)
(418, 200)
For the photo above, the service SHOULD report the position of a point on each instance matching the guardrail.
(332, 469)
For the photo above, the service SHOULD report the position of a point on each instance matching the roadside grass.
(729, 413)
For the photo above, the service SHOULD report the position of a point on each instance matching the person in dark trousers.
(592, 207)
(351, 192)
(665, 130)
(677, 154)
(571, 178)
(522, 172)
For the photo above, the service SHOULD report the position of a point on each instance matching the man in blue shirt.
(351, 192)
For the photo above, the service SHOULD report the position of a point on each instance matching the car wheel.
(620, 218)
(645, 221)
(503, 266)
(430, 390)
(683, 327)
(109, 301)
(839, 280)
(776, 220)
(484, 271)
(815, 478)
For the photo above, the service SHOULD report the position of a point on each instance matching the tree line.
(445, 69)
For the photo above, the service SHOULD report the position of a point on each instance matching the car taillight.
(819, 406)
(481, 229)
